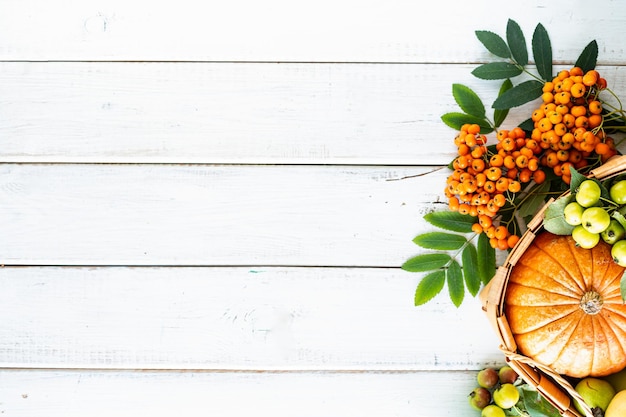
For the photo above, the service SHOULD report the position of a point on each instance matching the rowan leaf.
(589, 57)
(496, 71)
(451, 220)
(440, 241)
(486, 259)
(499, 115)
(429, 286)
(519, 94)
(542, 52)
(517, 43)
(468, 100)
(494, 43)
(456, 120)
(456, 288)
(426, 262)
(469, 258)
(554, 218)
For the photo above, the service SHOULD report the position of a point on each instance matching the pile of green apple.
(496, 391)
(595, 217)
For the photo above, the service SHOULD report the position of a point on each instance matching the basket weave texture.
(552, 386)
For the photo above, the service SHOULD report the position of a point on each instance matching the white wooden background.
(204, 205)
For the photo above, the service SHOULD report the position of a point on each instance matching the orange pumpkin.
(564, 307)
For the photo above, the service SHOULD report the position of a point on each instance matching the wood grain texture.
(279, 30)
(259, 318)
(313, 394)
(214, 215)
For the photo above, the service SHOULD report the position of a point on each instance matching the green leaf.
(456, 120)
(622, 287)
(535, 200)
(429, 286)
(576, 180)
(451, 220)
(486, 259)
(470, 269)
(494, 43)
(456, 288)
(589, 57)
(620, 218)
(518, 95)
(440, 241)
(528, 125)
(542, 52)
(536, 405)
(554, 219)
(499, 115)
(517, 43)
(426, 262)
(468, 100)
(496, 71)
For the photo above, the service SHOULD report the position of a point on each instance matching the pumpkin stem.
(591, 302)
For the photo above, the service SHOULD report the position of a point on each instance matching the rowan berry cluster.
(568, 125)
(485, 178)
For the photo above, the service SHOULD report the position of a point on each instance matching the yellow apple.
(617, 406)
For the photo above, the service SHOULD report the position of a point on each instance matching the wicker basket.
(553, 387)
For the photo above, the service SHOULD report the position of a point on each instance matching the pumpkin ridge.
(547, 352)
(614, 351)
(550, 247)
(566, 361)
(573, 289)
(574, 252)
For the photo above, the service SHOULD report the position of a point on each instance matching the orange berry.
(502, 184)
(544, 124)
(464, 208)
(478, 165)
(548, 97)
(578, 111)
(591, 78)
(595, 107)
(501, 232)
(576, 72)
(514, 186)
(496, 160)
(493, 173)
(539, 176)
(484, 221)
(503, 243)
(499, 200)
(477, 228)
(473, 129)
(537, 115)
(521, 161)
(453, 204)
(578, 90)
(548, 86)
(512, 241)
(594, 121)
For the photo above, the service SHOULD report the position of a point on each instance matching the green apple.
(613, 233)
(479, 398)
(492, 410)
(595, 219)
(618, 252)
(573, 213)
(596, 392)
(584, 238)
(588, 193)
(487, 378)
(506, 396)
(618, 192)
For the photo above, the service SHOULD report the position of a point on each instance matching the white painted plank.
(280, 30)
(213, 215)
(189, 394)
(235, 318)
(237, 113)
(228, 113)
